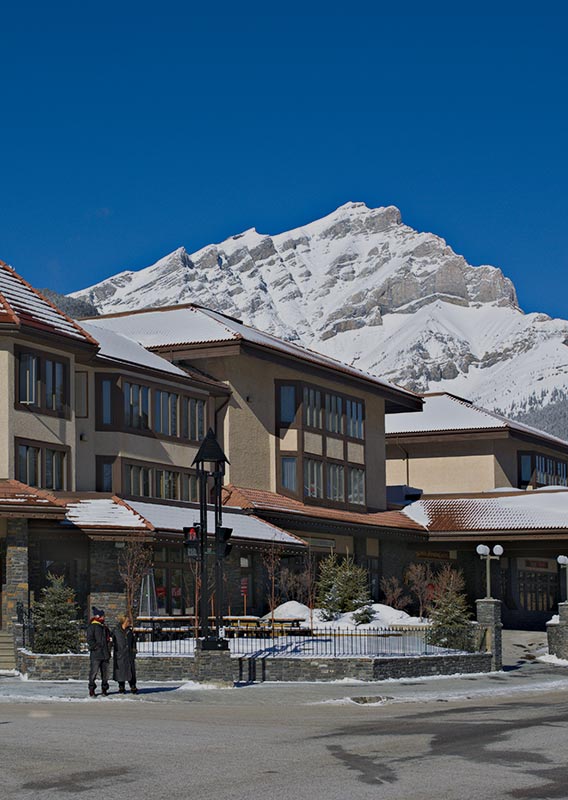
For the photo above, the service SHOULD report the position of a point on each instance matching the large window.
(41, 465)
(167, 484)
(166, 413)
(29, 464)
(536, 469)
(289, 471)
(354, 418)
(313, 478)
(29, 386)
(138, 480)
(334, 413)
(312, 407)
(42, 383)
(136, 406)
(287, 404)
(336, 483)
(356, 486)
(193, 419)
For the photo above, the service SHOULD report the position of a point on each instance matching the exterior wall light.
(485, 554)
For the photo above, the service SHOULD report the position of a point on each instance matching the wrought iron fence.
(320, 642)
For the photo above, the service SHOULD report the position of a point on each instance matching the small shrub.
(55, 619)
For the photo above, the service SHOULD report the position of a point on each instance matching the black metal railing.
(318, 642)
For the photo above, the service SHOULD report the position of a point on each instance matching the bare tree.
(394, 593)
(271, 560)
(420, 581)
(134, 561)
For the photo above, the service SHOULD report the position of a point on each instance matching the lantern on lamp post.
(485, 554)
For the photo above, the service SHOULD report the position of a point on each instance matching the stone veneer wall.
(16, 586)
(220, 668)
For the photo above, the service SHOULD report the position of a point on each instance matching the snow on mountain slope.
(361, 286)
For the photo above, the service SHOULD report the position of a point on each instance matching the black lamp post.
(211, 452)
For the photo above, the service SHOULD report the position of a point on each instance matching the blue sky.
(129, 129)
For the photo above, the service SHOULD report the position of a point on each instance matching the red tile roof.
(23, 306)
(19, 500)
(260, 500)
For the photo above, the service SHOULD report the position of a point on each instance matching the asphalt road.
(286, 742)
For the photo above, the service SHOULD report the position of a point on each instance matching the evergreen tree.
(450, 615)
(55, 619)
(343, 587)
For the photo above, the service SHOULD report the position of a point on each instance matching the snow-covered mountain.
(365, 288)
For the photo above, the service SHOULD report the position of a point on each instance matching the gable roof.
(447, 413)
(191, 325)
(270, 502)
(22, 306)
(510, 514)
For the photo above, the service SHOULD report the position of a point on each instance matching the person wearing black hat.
(99, 643)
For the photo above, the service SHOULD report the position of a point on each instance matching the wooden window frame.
(154, 467)
(42, 447)
(533, 481)
(41, 406)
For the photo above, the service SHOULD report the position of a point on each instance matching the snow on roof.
(533, 510)
(21, 304)
(103, 512)
(116, 347)
(446, 412)
(245, 526)
(189, 325)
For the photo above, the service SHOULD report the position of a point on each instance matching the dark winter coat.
(124, 653)
(98, 641)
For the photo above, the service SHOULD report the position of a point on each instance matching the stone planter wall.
(219, 668)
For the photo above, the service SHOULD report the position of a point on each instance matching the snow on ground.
(550, 659)
(384, 617)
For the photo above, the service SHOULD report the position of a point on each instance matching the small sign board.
(244, 587)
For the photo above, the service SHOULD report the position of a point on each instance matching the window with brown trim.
(42, 383)
(193, 419)
(136, 405)
(105, 473)
(43, 465)
(144, 479)
(538, 469)
(166, 412)
(313, 478)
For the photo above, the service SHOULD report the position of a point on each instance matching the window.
(334, 413)
(166, 413)
(167, 484)
(137, 480)
(193, 419)
(356, 486)
(42, 383)
(287, 404)
(354, 417)
(536, 469)
(81, 394)
(54, 385)
(44, 466)
(28, 383)
(106, 401)
(105, 476)
(289, 472)
(313, 480)
(54, 470)
(189, 488)
(136, 406)
(29, 464)
(312, 407)
(336, 483)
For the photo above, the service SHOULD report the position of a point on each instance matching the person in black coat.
(99, 643)
(124, 652)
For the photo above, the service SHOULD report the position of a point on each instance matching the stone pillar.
(557, 633)
(489, 614)
(213, 666)
(17, 588)
(106, 588)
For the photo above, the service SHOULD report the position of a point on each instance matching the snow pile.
(384, 617)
